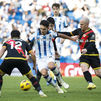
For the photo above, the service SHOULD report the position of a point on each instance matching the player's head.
(44, 25)
(84, 23)
(56, 8)
(51, 23)
(15, 34)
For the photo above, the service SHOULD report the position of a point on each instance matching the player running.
(45, 53)
(89, 53)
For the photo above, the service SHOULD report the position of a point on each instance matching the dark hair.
(15, 34)
(51, 20)
(56, 5)
(44, 23)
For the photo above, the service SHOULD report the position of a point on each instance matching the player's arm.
(2, 51)
(73, 33)
(55, 48)
(66, 37)
(33, 59)
(30, 51)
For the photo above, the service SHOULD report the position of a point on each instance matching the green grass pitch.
(77, 92)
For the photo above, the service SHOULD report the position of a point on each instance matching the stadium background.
(27, 14)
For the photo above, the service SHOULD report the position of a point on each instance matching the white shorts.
(43, 62)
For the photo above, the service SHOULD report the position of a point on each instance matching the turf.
(77, 92)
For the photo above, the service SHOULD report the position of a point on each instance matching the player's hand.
(84, 51)
(75, 38)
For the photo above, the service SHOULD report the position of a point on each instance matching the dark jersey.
(16, 49)
(86, 40)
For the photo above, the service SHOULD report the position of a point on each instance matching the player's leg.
(85, 63)
(47, 77)
(25, 70)
(51, 75)
(42, 67)
(98, 72)
(35, 84)
(87, 75)
(5, 68)
(57, 63)
(38, 74)
(50, 80)
(56, 72)
(95, 63)
(1, 80)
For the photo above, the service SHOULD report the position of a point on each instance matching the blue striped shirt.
(43, 44)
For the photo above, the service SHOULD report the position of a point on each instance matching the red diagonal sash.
(84, 38)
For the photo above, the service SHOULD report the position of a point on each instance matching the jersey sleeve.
(32, 40)
(73, 33)
(4, 44)
(53, 34)
(28, 48)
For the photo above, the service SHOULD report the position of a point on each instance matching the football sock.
(87, 76)
(58, 82)
(38, 75)
(51, 74)
(57, 74)
(49, 80)
(35, 83)
(1, 81)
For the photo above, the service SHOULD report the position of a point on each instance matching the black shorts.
(93, 61)
(8, 65)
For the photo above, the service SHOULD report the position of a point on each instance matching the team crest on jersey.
(84, 35)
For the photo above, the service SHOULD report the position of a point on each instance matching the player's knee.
(98, 73)
(30, 75)
(51, 65)
(44, 72)
(84, 67)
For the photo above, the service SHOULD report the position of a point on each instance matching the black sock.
(58, 83)
(35, 83)
(1, 81)
(38, 75)
(87, 76)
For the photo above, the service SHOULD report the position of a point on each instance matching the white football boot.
(64, 84)
(58, 89)
(42, 94)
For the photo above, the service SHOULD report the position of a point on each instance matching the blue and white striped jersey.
(60, 25)
(60, 22)
(43, 44)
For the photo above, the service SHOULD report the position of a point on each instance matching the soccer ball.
(25, 85)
